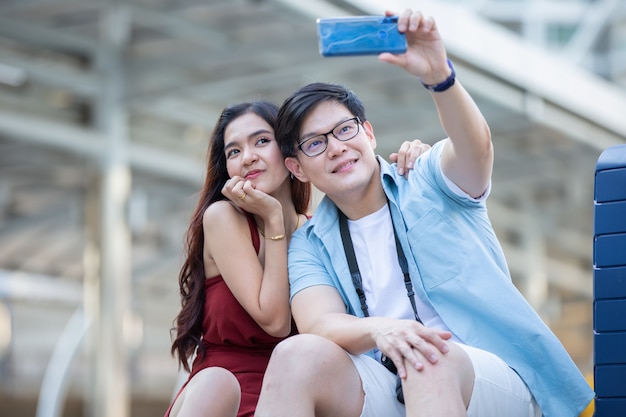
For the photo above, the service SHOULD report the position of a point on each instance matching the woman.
(235, 302)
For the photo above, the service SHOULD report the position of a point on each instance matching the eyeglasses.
(317, 144)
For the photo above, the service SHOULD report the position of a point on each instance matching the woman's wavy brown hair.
(188, 323)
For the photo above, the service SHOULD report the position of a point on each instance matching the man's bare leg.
(440, 389)
(310, 376)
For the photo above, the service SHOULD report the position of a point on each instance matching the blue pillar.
(609, 283)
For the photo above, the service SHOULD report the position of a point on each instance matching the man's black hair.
(297, 106)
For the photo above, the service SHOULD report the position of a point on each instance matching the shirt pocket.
(438, 247)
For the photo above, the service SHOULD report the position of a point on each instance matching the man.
(427, 286)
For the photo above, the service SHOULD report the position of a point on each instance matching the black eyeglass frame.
(331, 132)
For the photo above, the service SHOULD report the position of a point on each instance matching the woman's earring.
(291, 176)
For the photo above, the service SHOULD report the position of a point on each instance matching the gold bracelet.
(277, 237)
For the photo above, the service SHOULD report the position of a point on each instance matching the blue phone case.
(360, 35)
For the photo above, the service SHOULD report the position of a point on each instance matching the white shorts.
(498, 390)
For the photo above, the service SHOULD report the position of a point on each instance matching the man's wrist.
(443, 86)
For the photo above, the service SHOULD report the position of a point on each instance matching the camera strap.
(348, 248)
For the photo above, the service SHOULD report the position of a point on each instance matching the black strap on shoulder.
(405, 271)
(348, 248)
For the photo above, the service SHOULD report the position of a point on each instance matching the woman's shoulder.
(223, 213)
(221, 209)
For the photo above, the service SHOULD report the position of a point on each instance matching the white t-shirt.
(382, 277)
(383, 281)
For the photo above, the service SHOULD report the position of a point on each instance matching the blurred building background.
(105, 112)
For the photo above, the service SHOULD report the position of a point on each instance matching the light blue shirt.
(457, 265)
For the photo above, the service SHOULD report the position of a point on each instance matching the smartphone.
(360, 35)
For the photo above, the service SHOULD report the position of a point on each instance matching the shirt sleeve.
(447, 185)
(306, 269)
(457, 190)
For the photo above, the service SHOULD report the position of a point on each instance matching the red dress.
(233, 340)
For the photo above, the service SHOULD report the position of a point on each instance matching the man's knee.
(305, 351)
(452, 373)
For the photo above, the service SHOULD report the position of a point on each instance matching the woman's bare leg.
(212, 392)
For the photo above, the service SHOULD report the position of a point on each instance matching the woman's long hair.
(191, 279)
